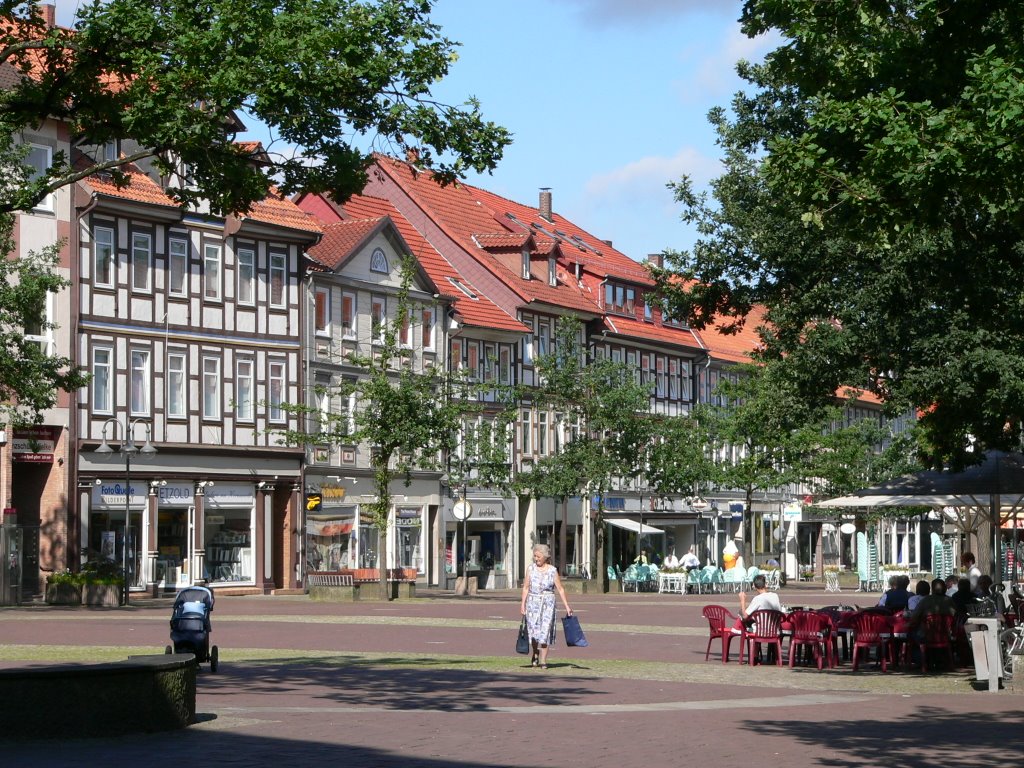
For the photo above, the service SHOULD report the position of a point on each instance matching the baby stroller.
(190, 625)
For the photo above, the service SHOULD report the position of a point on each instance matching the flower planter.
(63, 594)
(108, 595)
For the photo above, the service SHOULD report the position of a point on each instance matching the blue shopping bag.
(573, 632)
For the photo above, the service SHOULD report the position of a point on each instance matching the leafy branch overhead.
(871, 202)
(333, 81)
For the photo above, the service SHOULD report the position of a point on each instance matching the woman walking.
(538, 604)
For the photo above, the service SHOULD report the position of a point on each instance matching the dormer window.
(109, 151)
(526, 264)
(552, 271)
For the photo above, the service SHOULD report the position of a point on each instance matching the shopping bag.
(573, 632)
(523, 641)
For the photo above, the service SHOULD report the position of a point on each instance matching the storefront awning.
(632, 525)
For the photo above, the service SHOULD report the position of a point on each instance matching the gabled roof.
(465, 219)
(367, 211)
(575, 243)
(341, 238)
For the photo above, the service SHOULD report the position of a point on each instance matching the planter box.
(108, 595)
(63, 594)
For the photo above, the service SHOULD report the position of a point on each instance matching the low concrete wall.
(142, 694)
(366, 590)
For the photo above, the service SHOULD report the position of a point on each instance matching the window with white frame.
(322, 311)
(142, 261)
(378, 313)
(427, 335)
(552, 271)
(246, 259)
(139, 382)
(456, 354)
(542, 433)
(504, 365)
(528, 344)
(103, 256)
(278, 275)
(212, 271)
(39, 159)
(211, 388)
(348, 315)
(405, 330)
(490, 362)
(177, 267)
(526, 264)
(473, 360)
(40, 329)
(243, 390)
(526, 433)
(176, 385)
(109, 151)
(543, 338)
(322, 396)
(660, 386)
(275, 385)
(102, 362)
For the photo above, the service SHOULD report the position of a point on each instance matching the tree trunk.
(602, 569)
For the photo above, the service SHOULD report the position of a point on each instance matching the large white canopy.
(632, 525)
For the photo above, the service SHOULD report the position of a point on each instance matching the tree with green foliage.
(609, 429)
(871, 201)
(30, 376)
(332, 80)
(766, 437)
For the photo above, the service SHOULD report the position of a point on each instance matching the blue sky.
(607, 101)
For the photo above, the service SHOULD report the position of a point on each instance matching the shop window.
(329, 542)
(229, 555)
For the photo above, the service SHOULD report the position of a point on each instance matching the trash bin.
(988, 656)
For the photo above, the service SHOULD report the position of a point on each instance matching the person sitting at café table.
(922, 590)
(935, 603)
(690, 560)
(897, 596)
(951, 584)
(642, 559)
(671, 561)
(762, 601)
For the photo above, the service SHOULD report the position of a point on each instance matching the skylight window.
(462, 287)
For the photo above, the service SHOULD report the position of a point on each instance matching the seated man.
(762, 601)
(897, 596)
(690, 560)
(935, 603)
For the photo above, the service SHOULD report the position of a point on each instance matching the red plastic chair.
(811, 630)
(763, 628)
(720, 624)
(938, 633)
(870, 630)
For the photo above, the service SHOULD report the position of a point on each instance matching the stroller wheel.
(213, 659)
(168, 649)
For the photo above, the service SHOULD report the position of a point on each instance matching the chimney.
(656, 260)
(49, 14)
(545, 204)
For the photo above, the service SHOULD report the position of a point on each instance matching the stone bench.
(140, 695)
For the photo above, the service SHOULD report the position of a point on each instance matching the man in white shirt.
(973, 572)
(690, 560)
(763, 600)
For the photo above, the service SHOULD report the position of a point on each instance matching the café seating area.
(829, 637)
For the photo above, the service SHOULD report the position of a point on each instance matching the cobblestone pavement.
(433, 682)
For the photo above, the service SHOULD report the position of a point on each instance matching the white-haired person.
(538, 603)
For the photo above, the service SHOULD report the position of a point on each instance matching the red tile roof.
(733, 347)
(480, 312)
(465, 219)
(140, 188)
(503, 239)
(340, 238)
(576, 244)
(279, 211)
(641, 330)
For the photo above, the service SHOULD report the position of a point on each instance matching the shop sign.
(175, 495)
(111, 493)
(313, 502)
(35, 444)
(408, 518)
(230, 495)
(332, 495)
(792, 512)
(490, 510)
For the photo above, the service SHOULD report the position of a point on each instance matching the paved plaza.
(434, 681)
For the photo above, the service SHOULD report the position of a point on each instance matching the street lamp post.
(127, 449)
